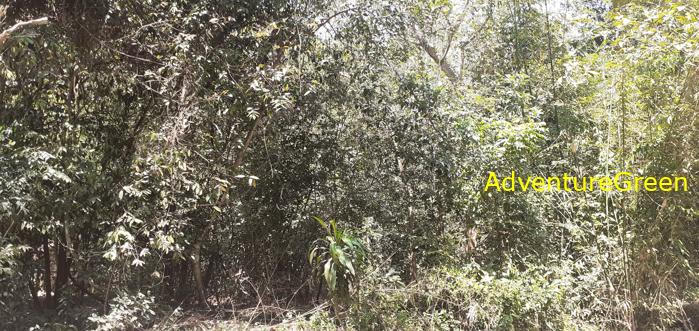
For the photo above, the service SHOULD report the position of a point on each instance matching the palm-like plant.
(340, 255)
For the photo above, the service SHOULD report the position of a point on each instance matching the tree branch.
(452, 33)
(327, 20)
(443, 64)
(5, 35)
(241, 154)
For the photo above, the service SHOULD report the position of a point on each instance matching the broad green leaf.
(330, 275)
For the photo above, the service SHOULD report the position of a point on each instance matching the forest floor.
(254, 318)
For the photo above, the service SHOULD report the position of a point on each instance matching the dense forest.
(318, 164)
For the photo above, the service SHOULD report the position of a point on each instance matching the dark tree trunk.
(196, 270)
(169, 273)
(182, 285)
(62, 270)
(47, 273)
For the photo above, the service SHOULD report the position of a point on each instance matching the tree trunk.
(183, 280)
(32, 281)
(169, 272)
(196, 270)
(442, 63)
(48, 302)
(62, 270)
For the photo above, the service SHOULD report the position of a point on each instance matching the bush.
(470, 299)
(126, 312)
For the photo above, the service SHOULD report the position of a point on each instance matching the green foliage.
(469, 298)
(127, 312)
(179, 148)
(8, 258)
(340, 257)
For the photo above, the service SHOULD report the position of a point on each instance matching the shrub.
(468, 298)
(126, 312)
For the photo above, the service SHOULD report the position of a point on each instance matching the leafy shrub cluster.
(127, 312)
(467, 299)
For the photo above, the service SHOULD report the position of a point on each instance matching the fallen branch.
(5, 35)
